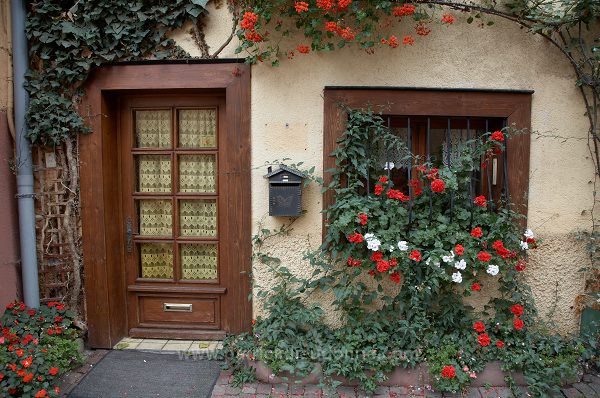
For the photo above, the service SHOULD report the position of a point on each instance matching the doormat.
(136, 374)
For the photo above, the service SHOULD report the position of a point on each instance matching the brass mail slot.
(176, 307)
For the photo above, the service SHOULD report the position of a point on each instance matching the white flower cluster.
(528, 234)
(493, 269)
(403, 245)
(372, 242)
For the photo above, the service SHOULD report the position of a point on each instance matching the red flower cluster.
(343, 4)
(459, 249)
(301, 6)
(396, 194)
(438, 185)
(302, 49)
(479, 327)
(405, 10)
(497, 136)
(517, 310)
(325, 5)
(362, 218)
(378, 189)
(484, 256)
(345, 33)
(249, 20)
(415, 184)
(480, 201)
(415, 255)
(408, 40)
(447, 18)
(422, 30)
(521, 265)
(448, 372)
(501, 250)
(392, 41)
(253, 35)
(499, 344)
(354, 262)
(476, 232)
(475, 287)
(355, 238)
(395, 277)
(484, 339)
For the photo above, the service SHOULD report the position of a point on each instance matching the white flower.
(403, 245)
(449, 258)
(493, 269)
(392, 248)
(457, 277)
(528, 233)
(524, 245)
(389, 166)
(372, 242)
(462, 264)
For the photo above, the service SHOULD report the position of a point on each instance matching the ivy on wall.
(68, 39)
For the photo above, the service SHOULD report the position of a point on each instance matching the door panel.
(172, 163)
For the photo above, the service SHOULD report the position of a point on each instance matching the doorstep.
(169, 346)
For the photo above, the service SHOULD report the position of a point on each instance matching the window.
(433, 123)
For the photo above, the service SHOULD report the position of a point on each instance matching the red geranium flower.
(53, 371)
(377, 256)
(479, 327)
(480, 201)
(475, 287)
(332, 26)
(405, 10)
(248, 21)
(28, 377)
(438, 185)
(301, 6)
(415, 255)
(447, 18)
(497, 136)
(383, 266)
(41, 394)
(517, 309)
(459, 250)
(395, 277)
(27, 362)
(408, 40)
(362, 217)
(521, 264)
(476, 232)
(31, 312)
(484, 340)
(20, 352)
(383, 179)
(378, 189)
(343, 4)
(303, 49)
(325, 4)
(1, 376)
(499, 344)
(396, 194)
(518, 323)
(448, 372)
(484, 256)
(356, 238)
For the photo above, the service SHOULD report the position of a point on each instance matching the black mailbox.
(285, 191)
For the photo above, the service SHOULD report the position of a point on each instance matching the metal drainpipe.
(25, 193)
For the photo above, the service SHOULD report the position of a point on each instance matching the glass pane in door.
(153, 129)
(198, 218)
(153, 173)
(198, 261)
(197, 174)
(156, 260)
(155, 218)
(197, 128)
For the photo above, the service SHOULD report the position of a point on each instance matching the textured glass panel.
(156, 260)
(197, 128)
(154, 173)
(197, 173)
(198, 261)
(198, 217)
(155, 217)
(153, 129)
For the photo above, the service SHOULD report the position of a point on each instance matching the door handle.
(129, 235)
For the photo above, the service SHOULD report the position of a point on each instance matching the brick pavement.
(589, 387)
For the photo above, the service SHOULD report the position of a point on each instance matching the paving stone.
(473, 393)
(263, 388)
(279, 389)
(231, 390)
(345, 391)
(312, 390)
(595, 387)
(495, 392)
(262, 395)
(381, 390)
(591, 378)
(585, 389)
(218, 389)
(430, 394)
(572, 393)
(249, 388)
(242, 395)
(398, 391)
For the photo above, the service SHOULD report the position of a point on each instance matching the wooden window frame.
(513, 105)
(102, 238)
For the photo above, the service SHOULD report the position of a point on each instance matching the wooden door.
(174, 154)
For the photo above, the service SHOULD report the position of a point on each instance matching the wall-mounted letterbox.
(285, 191)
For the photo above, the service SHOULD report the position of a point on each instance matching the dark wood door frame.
(103, 238)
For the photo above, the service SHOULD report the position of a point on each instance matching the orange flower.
(249, 20)
(20, 352)
(28, 377)
(405, 10)
(303, 49)
(27, 362)
(301, 6)
(53, 371)
(331, 26)
(408, 40)
(447, 18)
(422, 30)
(41, 394)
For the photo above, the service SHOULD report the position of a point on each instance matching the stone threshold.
(169, 346)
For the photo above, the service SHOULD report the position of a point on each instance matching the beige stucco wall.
(287, 121)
